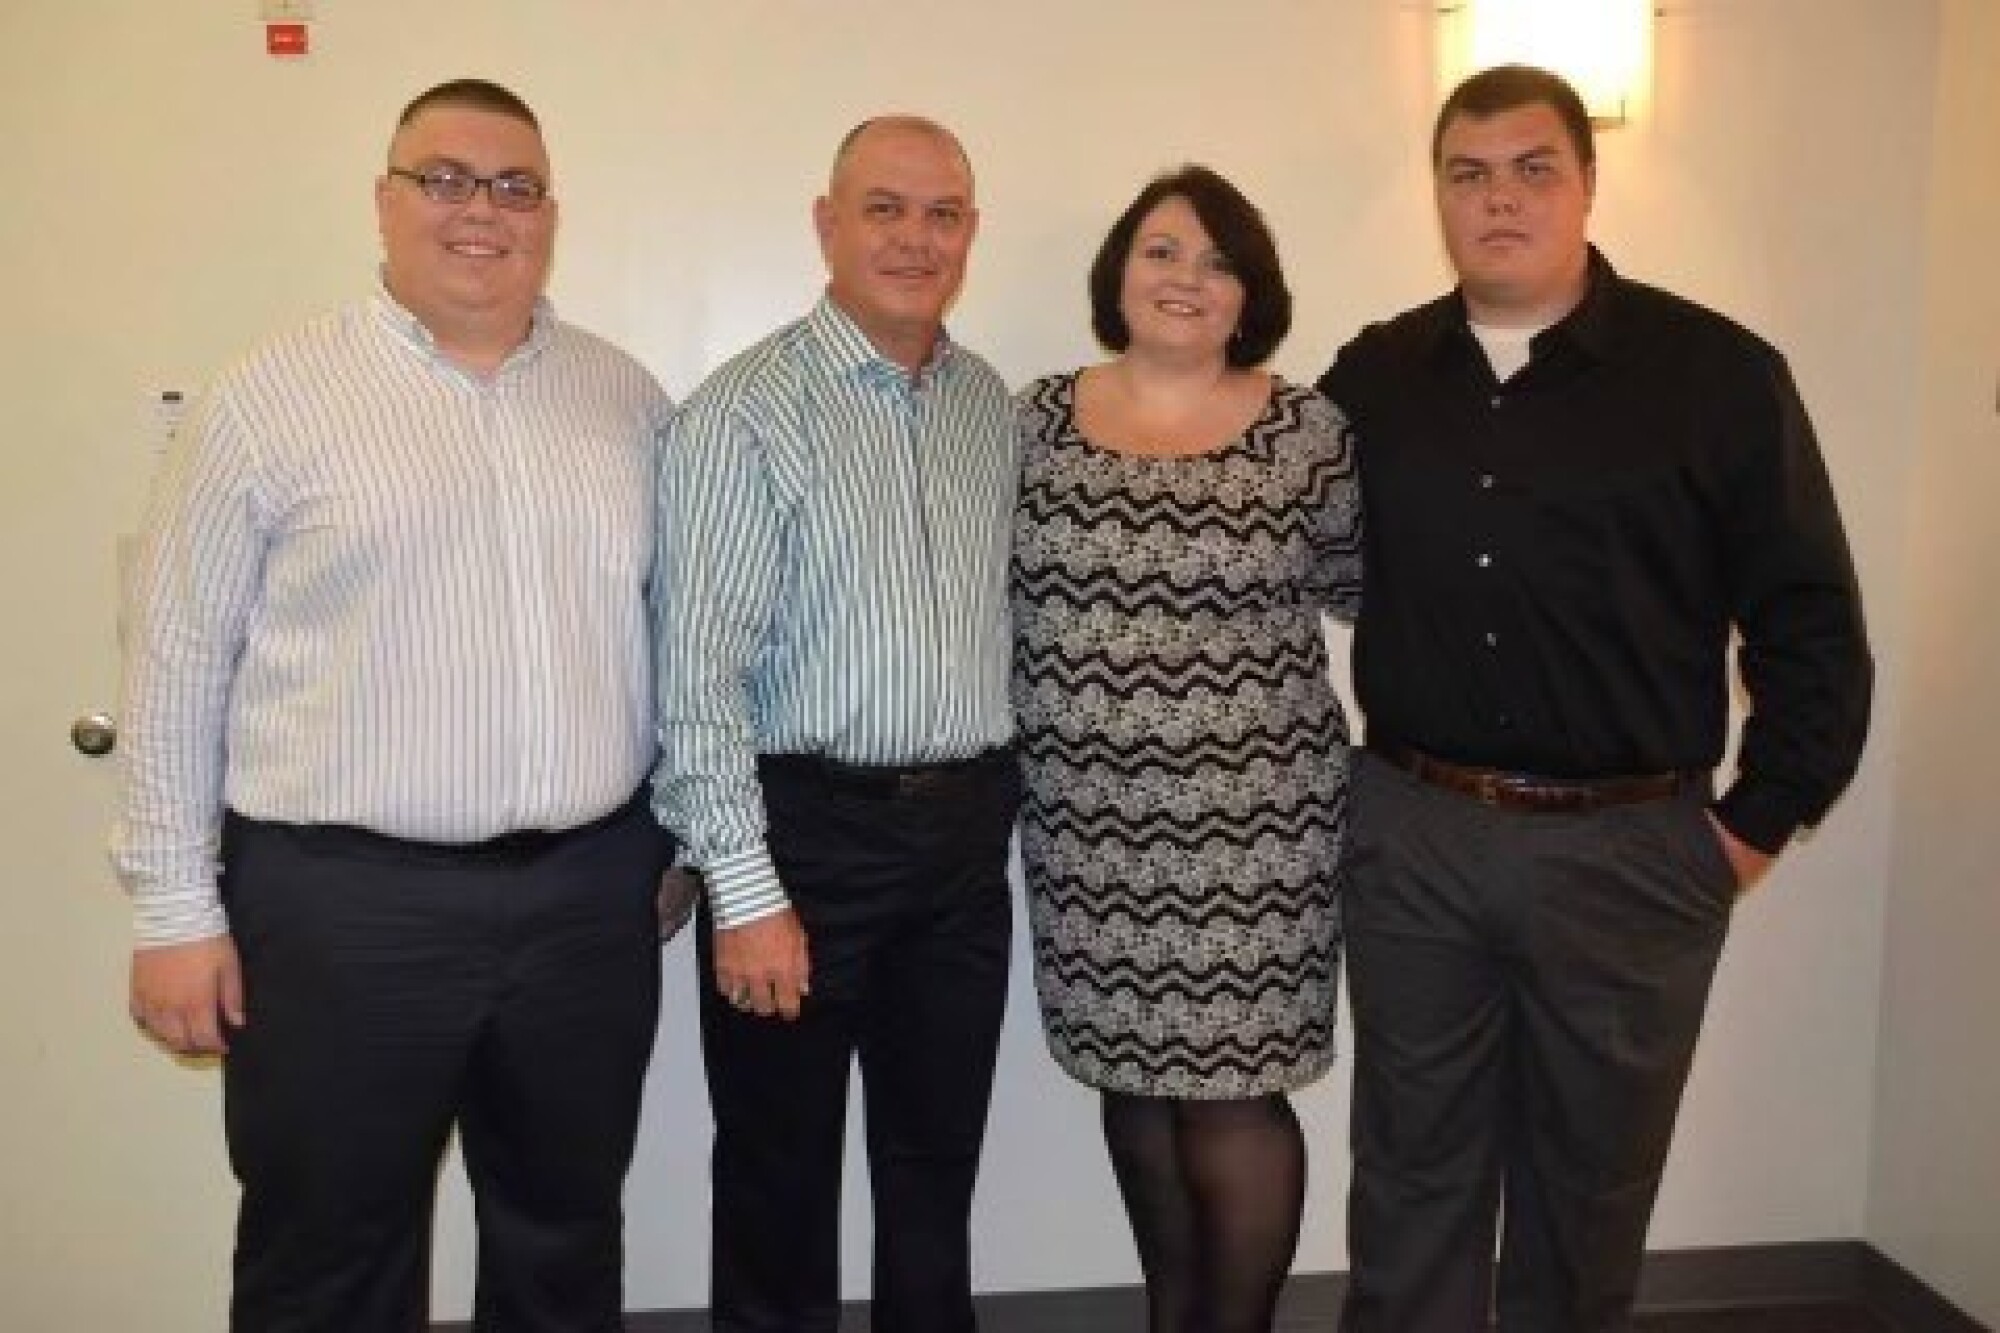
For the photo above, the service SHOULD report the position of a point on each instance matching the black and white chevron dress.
(1184, 750)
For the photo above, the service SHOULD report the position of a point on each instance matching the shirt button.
(1483, 560)
(1486, 481)
(1496, 400)
(1492, 639)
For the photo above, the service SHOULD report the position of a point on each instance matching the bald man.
(835, 506)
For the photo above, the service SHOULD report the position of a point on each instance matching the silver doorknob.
(94, 734)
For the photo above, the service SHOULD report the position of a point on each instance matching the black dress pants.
(1527, 990)
(904, 899)
(397, 991)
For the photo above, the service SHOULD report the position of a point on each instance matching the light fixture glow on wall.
(1603, 47)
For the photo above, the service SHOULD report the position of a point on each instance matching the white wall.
(1729, 194)
(173, 194)
(1934, 1199)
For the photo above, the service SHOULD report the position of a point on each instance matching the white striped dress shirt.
(377, 590)
(833, 579)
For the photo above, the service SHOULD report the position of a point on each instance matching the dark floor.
(1005, 1319)
(1798, 1287)
(1799, 1319)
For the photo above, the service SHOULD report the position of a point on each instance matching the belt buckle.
(1487, 786)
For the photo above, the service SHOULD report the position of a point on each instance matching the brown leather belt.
(1526, 791)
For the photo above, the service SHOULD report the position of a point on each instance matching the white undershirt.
(1506, 348)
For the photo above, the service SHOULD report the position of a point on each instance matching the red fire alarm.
(285, 39)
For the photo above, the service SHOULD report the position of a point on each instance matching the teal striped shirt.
(832, 579)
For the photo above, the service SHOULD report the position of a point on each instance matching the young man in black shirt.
(1576, 488)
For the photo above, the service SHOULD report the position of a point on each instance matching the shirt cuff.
(1761, 813)
(743, 887)
(177, 916)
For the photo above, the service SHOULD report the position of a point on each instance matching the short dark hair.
(470, 95)
(1239, 232)
(1505, 87)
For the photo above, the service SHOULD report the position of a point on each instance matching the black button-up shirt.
(1553, 564)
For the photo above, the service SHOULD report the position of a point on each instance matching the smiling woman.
(1184, 519)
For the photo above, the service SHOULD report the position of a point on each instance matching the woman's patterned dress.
(1185, 753)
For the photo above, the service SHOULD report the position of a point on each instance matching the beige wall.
(1934, 1196)
(174, 194)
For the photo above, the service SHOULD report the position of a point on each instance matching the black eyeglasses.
(516, 191)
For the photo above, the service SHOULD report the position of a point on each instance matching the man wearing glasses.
(388, 708)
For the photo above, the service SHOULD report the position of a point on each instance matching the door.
(118, 1203)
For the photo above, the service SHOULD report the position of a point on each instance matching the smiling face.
(469, 271)
(1180, 293)
(1514, 202)
(895, 226)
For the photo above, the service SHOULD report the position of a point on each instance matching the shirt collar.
(401, 321)
(1591, 326)
(850, 352)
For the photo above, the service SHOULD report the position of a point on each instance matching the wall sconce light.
(1603, 47)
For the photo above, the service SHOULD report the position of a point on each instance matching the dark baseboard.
(1720, 1278)
(1743, 1277)
(1843, 1272)
(1905, 1301)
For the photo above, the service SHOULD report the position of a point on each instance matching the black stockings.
(1214, 1190)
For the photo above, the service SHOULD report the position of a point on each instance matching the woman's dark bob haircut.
(1237, 229)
